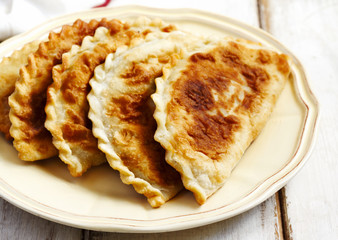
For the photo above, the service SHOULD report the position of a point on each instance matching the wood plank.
(245, 10)
(18, 224)
(309, 29)
(261, 222)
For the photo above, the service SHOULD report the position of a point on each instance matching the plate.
(99, 201)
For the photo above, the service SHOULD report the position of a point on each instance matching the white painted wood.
(244, 10)
(258, 223)
(309, 29)
(262, 222)
(18, 224)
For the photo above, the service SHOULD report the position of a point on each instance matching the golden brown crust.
(136, 111)
(135, 145)
(27, 103)
(71, 131)
(121, 110)
(67, 106)
(210, 73)
(211, 108)
(9, 73)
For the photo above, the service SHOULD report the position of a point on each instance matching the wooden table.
(307, 207)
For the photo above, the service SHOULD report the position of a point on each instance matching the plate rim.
(310, 128)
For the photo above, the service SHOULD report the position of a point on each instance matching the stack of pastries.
(166, 108)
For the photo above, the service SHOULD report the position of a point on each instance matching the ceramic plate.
(99, 201)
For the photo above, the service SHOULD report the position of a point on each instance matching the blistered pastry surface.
(67, 106)
(122, 114)
(27, 115)
(9, 73)
(212, 105)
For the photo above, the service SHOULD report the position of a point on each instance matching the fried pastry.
(67, 106)
(122, 114)
(27, 115)
(9, 73)
(212, 105)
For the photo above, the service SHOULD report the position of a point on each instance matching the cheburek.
(212, 105)
(9, 73)
(27, 115)
(67, 106)
(122, 114)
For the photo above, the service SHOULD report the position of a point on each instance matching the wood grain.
(244, 10)
(309, 29)
(261, 222)
(18, 224)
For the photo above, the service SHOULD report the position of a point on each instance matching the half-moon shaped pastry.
(9, 73)
(31, 139)
(212, 105)
(67, 106)
(122, 114)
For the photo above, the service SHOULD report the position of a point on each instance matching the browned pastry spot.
(169, 28)
(211, 72)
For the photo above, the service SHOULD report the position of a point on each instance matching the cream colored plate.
(99, 200)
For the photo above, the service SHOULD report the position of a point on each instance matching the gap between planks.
(286, 231)
(263, 14)
(85, 234)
